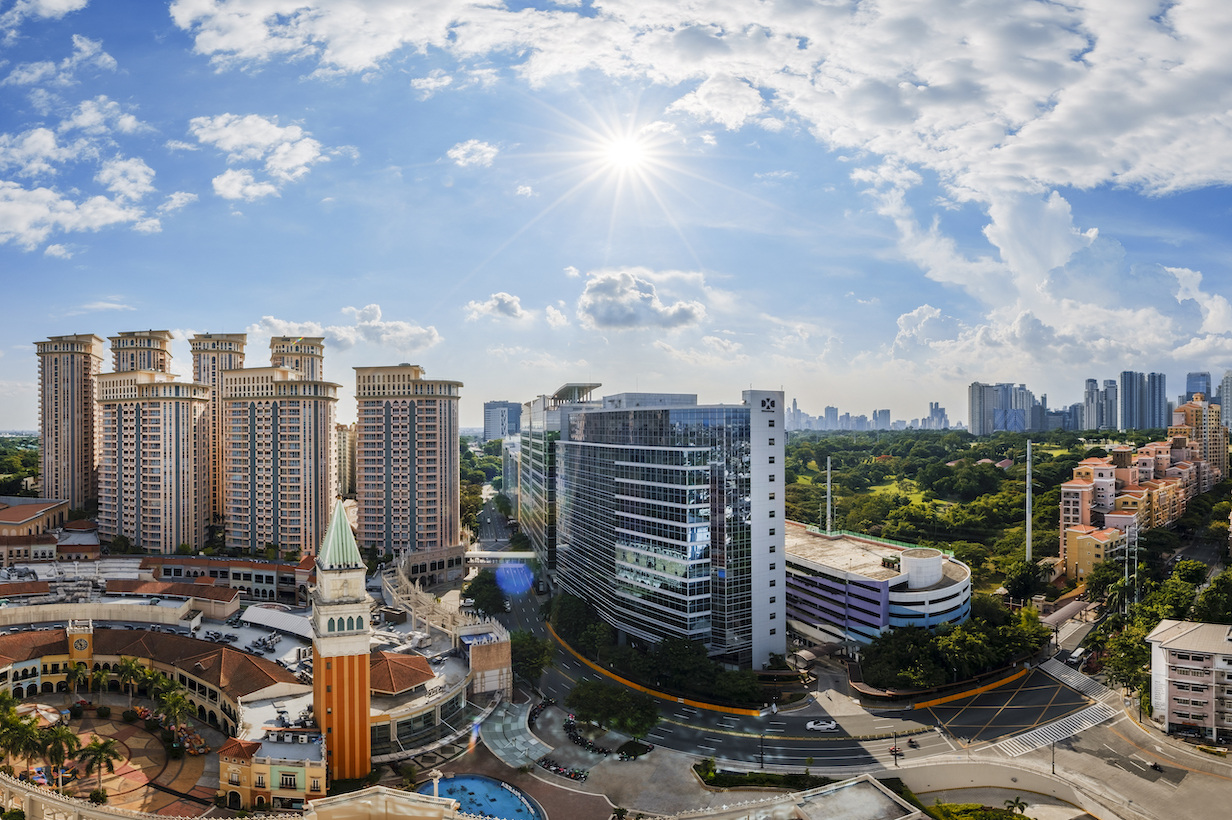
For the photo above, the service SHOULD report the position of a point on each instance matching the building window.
(772, 478)
(771, 599)
(233, 779)
(773, 615)
(771, 423)
(771, 442)
(772, 567)
(771, 459)
(773, 582)
(772, 513)
(773, 631)
(286, 781)
(773, 530)
(771, 496)
(260, 781)
(316, 785)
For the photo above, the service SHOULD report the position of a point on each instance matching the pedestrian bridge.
(498, 557)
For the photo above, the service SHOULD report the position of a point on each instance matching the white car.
(821, 726)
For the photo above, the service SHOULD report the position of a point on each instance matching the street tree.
(530, 654)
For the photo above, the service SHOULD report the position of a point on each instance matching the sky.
(864, 204)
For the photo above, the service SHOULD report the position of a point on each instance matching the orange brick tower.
(341, 609)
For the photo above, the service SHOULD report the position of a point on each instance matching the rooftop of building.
(858, 554)
(21, 513)
(175, 590)
(1193, 636)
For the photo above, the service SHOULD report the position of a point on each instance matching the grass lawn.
(891, 487)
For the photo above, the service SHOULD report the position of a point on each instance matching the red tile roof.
(20, 513)
(83, 524)
(172, 590)
(393, 673)
(16, 589)
(242, 749)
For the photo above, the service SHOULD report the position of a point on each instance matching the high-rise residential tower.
(344, 445)
(1197, 382)
(407, 468)
(141, 350)
(214, 354)
(1200, 421)
(280, 476)
(68, 416)
(671, 520)
(153, 460)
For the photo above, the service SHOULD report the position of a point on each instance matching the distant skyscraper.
(501, 419)
(344, 447)
(213, 354)
(831, 418)
(68, 368)
(1108, 413)
(1158, 415)
(1199, 382)
(406, 485)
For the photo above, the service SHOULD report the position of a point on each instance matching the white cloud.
(726, 100)
(628, 299)
(525, 190)
(100, 116)
(498, 305)
(58, 251)
(285, 153)
(129, 179)
(98, 306)
(181, 145)
(572, 272)
(86, 52)
(435, 81)
(38, 152)
(1216, 311)
(555, 317)
(473, 152)
(177, 200)
(713, 352)
(29, 216)
(240, 184)
(367, 327)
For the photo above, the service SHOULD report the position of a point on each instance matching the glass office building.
(670, 519)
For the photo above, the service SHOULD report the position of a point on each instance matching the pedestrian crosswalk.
(1057, 730)
(1075, 679)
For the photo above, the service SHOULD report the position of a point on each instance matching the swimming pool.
(486, 797)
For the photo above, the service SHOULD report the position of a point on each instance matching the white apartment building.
(1191, 678)
(68, 367)
(280, 473)
(407, 469)
(344, 446)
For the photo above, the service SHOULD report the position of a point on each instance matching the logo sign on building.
(767, 405)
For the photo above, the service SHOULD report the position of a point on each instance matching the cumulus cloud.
(29, 215)
(240, 184)
(58, 251)
(628, 299)
(435, 81)
(128, 179)
(100, 115)
(712, 352)
(572, 272)
(555, 317)
(176, 201)
(473, 152)
(723, 99)
(498, 305)
(283, 153)
(525, 190)
(367, 326)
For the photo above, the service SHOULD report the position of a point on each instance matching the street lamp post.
(761, 754)
(1054, 757)
(894, 750)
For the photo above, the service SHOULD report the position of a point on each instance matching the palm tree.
(74, 676)
(22, 738)
(100, 679)
(175, 708)
(98, 755)
(1016, 805)
(61, 743)
(129, 671)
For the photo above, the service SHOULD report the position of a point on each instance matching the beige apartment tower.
(279, 467)
(141, 350)
(344, 444)
(152, 460)
(68, 416)
(407, 468)
(214, 354)
(305, 355)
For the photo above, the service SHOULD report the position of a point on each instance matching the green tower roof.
(338, 549)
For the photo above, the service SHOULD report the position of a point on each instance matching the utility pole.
(829, 507)
(761, 755)
(1028, 501)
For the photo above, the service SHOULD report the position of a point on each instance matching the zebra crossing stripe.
(1074, 679)
(1057, 730)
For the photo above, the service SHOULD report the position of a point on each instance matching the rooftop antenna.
(1028, 501)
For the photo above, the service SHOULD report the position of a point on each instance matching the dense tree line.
(918, 658)
(19, 459)
(672, 665)
(611, 706)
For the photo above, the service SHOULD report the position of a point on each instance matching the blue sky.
(868, 205)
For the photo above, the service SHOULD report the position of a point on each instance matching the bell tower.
(80, 641)
(341, 689)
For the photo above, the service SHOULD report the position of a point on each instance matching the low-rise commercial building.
(848, 589)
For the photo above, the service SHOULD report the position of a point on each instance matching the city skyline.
(865, 207)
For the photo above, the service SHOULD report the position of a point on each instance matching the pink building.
(1191, 678)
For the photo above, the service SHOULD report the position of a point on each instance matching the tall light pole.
(1028, 501)
(761, 755)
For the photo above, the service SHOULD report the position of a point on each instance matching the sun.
(627, 153)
